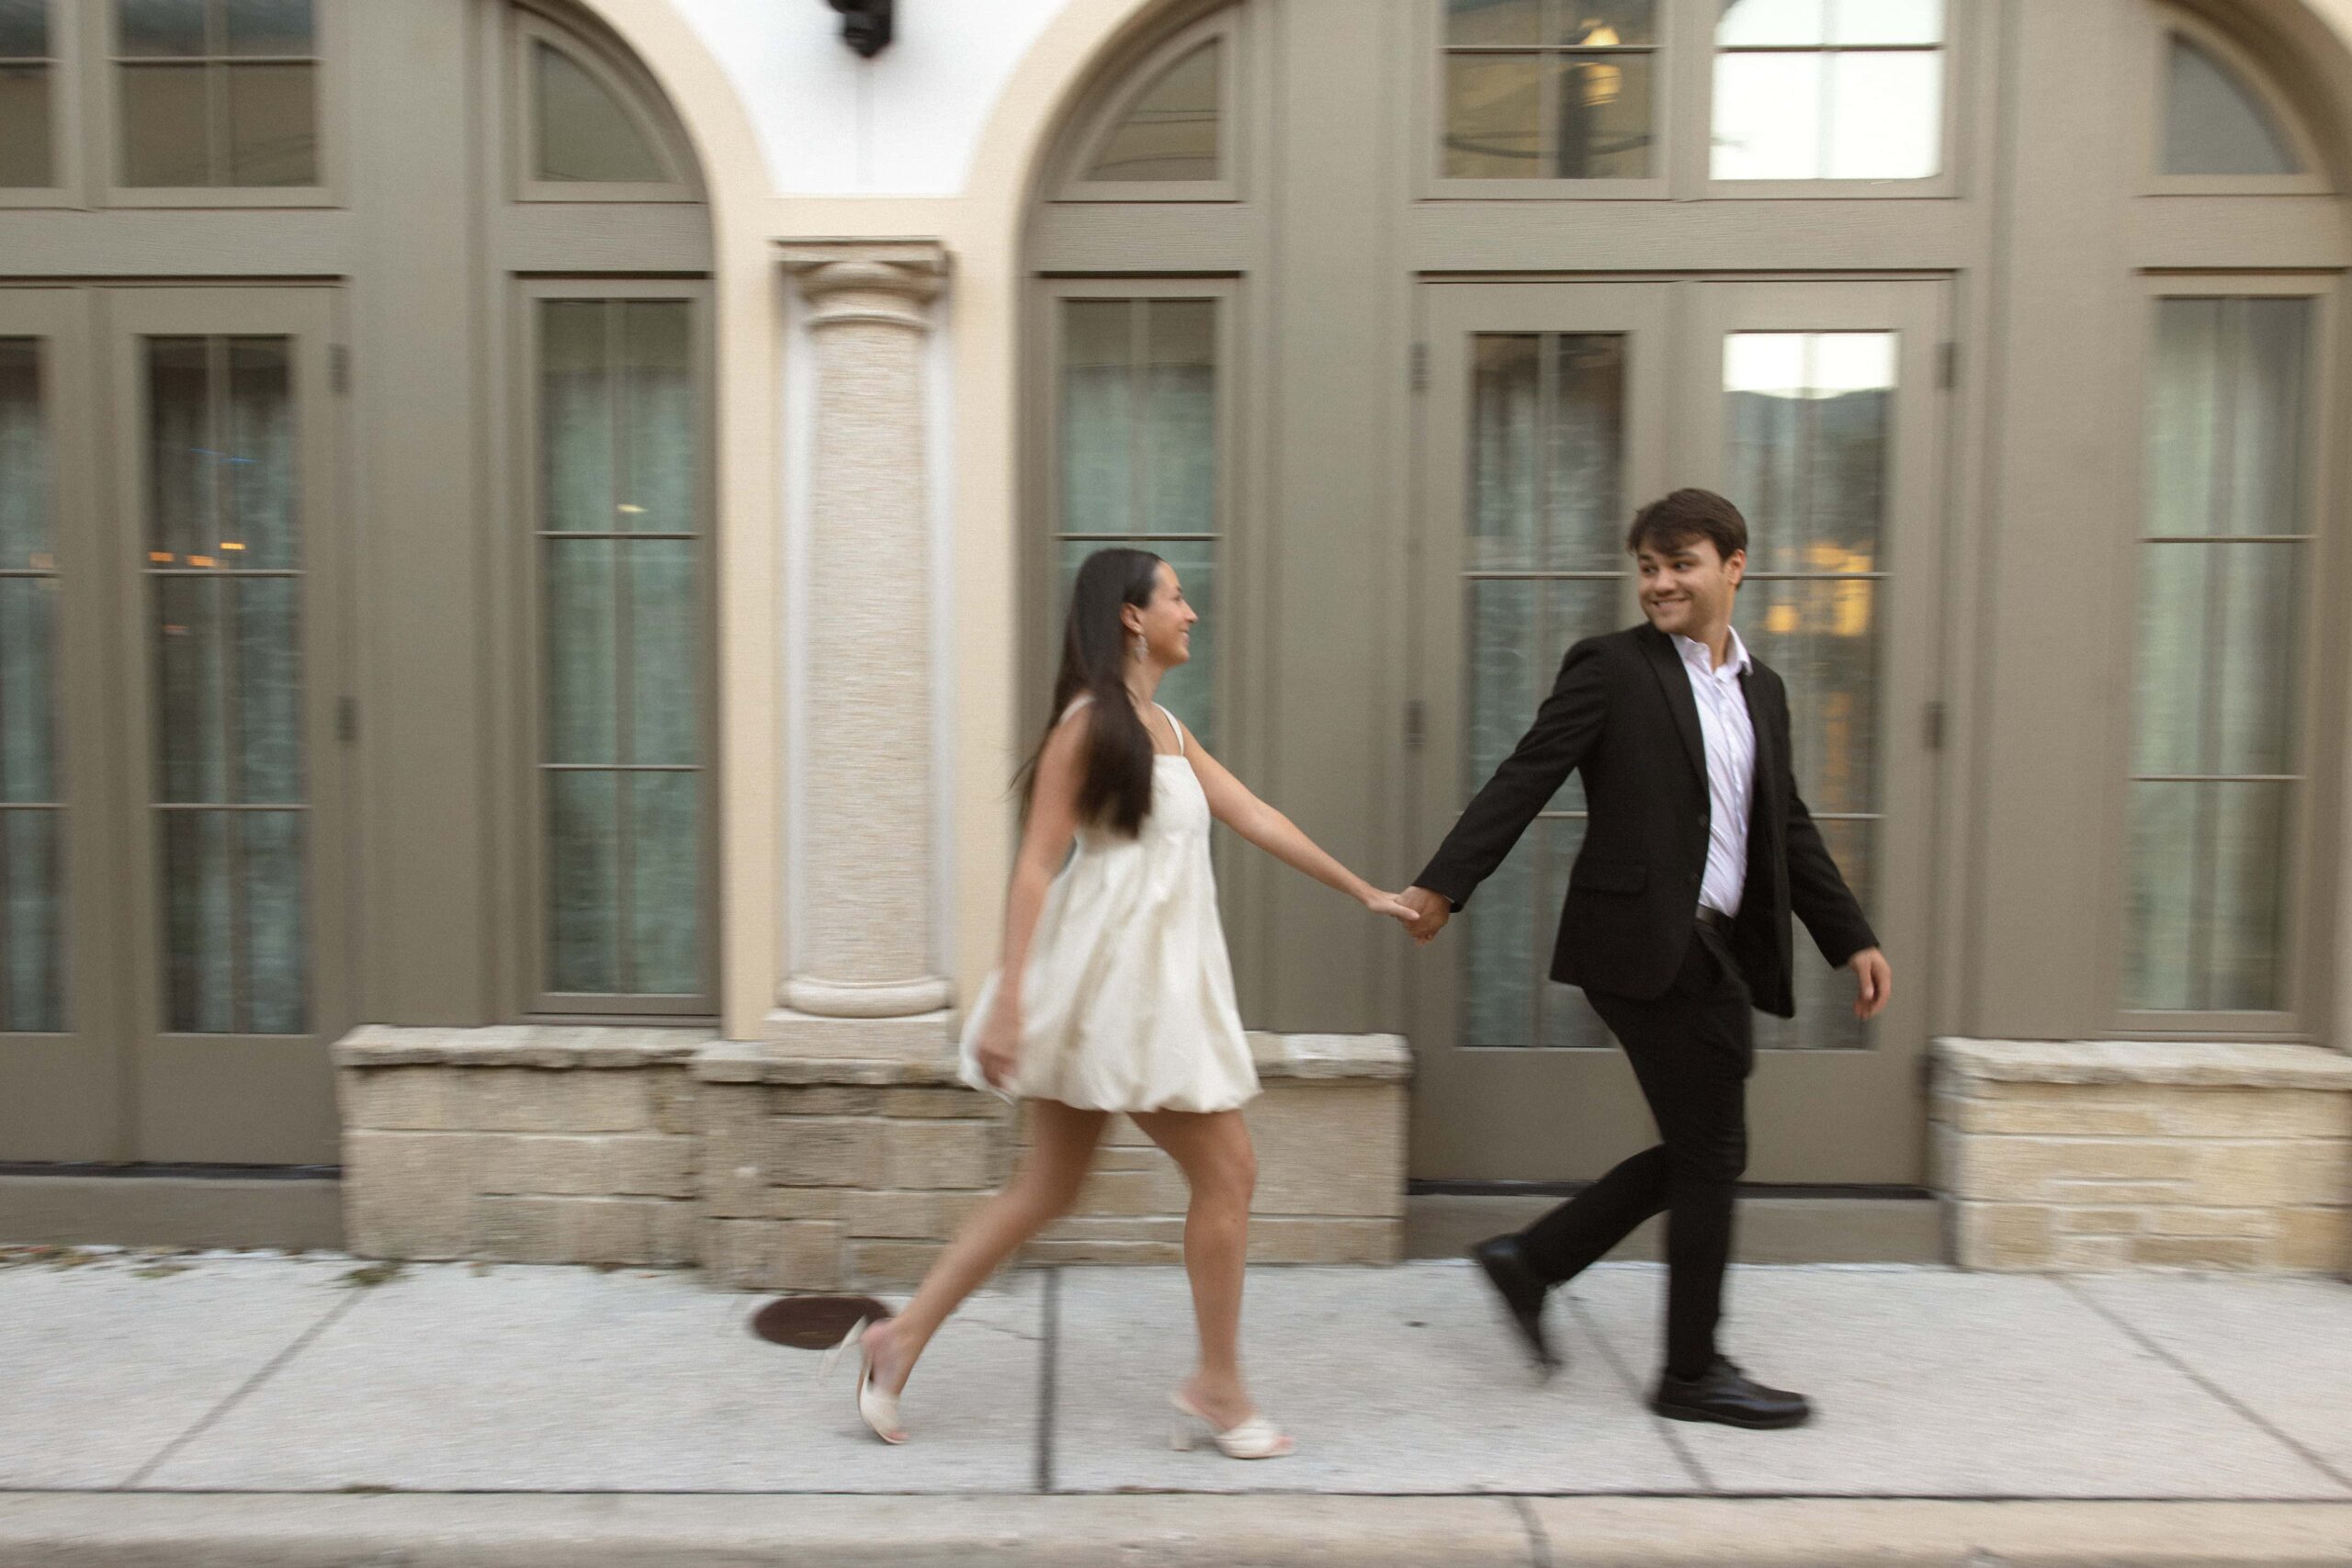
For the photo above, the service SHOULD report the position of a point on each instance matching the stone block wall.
(784, 1170)
(2111, 1154)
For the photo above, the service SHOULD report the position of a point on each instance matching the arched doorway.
(1381, 326)
(357, 472)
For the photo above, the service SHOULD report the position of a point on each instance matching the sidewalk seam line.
(1665, 1431)
(1539, 1545)
(2193, 1375)
(1051, 1312)
(213, 1417)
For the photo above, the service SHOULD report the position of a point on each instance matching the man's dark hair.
(1673, 520)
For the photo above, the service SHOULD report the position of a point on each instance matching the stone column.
(864, 946)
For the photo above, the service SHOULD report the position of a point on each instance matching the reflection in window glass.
(1545, 567)
(584, 133)
(1557, 90)
(1828, 89)
(1170, 132)
(32, 818)
(1139, 464)
(219, 93)
(25, 94)
(622, 627)
(2216, 750)
(1808, 435)
(2214, 123)
(226, 616)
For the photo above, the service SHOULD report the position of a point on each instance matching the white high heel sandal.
(1255, 1438)
(877, 1409)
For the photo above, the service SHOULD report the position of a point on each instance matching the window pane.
(161, 26)
(1604, 23)
(1493, 104)
(277, 967)
(2213, 124)
(1770, 22)
(1547, 491)
(664, 648)
(581, 619)
(1180, 410)
(24, 30)
(1170, 133)
(657, 425)
(583, 132)
(583, 881)
(270, 27)
(1493, 21)
(1808, 438)
(1824, 636)
(25, 530)
(166, 136)
(1507, 422)
(665, 884)
(2220, 625)
(183, 498)
(1885, 116)
(2205, 927)
(199, 923)
(269, 689)
(1098, 456)
(28, 689)
(32, 986)
(575, 416)
(24, 126)
(1517, 632)
(1603, 107)
(1887, 21)
(261, 501)
(273, 124)
(1768, 116)
(190, 710)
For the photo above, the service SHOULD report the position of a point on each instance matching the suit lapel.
(1675, 683)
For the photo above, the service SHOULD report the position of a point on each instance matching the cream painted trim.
(746, 336)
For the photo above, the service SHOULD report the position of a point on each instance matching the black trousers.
(1692, 1050)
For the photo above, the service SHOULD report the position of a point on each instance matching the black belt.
(1713, 919)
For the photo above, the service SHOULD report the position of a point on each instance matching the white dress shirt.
(1730, 767)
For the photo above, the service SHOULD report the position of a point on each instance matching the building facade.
(531, 534)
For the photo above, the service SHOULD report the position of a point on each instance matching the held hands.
(1874, 982)
(1389, 904)
(1430, 913)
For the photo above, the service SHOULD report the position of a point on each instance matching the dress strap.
(1176, 727)
(1079, 702)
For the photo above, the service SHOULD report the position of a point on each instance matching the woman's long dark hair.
(1114, 788)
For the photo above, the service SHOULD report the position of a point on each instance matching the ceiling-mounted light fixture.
(866, 25)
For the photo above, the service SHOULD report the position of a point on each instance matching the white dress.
(1128, 1000)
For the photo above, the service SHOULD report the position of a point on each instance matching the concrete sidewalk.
(264, 1411)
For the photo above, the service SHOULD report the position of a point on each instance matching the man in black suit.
(1696, 850)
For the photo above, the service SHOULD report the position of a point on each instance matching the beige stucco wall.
(980, 229)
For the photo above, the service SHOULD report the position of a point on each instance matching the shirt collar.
(1701, 660)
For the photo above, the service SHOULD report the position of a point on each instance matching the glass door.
(1553, 411)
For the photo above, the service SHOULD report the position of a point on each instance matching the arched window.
(1173, 133)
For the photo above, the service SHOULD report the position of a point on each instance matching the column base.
(851, 999)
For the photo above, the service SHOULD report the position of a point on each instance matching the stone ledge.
(2188, 1063)
(1298, 1058)
(517, 1045)
(1358, 1058)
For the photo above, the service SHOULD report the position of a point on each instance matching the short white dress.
(1128, 1000)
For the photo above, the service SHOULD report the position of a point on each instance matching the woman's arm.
(1231, 803)
(1045, 845)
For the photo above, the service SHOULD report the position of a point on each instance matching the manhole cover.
(813, 1323)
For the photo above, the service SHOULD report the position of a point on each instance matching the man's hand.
(1874, 981)
(1431, 910)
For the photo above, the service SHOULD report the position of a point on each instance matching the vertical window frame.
(2153, 104)
(101, 73)
(533, 996)
(2310, 835)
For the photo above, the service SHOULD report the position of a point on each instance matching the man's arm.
(1564, 729)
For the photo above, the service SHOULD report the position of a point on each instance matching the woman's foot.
(1233, 1422)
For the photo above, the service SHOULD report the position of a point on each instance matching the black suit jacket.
(1623, 712)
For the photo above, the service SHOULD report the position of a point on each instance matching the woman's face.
(1166, 622)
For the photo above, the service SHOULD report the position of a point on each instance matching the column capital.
(866, 280)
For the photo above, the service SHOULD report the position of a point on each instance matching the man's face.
(1686, 588)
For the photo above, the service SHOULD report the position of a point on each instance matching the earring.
(1141, 646)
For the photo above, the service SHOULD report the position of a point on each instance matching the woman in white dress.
(1115, 993)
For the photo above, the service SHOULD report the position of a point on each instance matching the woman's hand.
(1388, 904)
(999, 1051)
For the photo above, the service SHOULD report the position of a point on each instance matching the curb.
(1280, 1530)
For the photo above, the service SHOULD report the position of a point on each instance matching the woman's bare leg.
(1214, 1150)
(1042, 1191)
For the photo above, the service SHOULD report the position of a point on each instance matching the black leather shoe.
(1725, 1393)
(1522, 1290)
